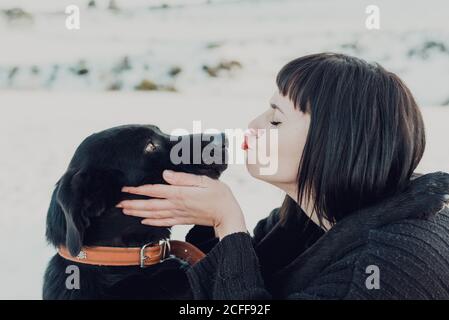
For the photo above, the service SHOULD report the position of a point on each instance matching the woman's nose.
(254, 124)
(260, 122)
(251, 131)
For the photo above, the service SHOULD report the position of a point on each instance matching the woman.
(353, 225)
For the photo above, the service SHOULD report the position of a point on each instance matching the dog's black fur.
(82, 212)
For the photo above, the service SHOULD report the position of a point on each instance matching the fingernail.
(168, 173)
(125, 211)
(125, 189)
(119, 205)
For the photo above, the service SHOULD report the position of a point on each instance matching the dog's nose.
(215, 143)
(225, 140)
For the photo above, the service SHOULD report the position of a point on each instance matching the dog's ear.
(55, 231)
(83, 194)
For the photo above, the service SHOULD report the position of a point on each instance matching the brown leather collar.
(144, 256)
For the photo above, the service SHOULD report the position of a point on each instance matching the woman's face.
(291, 126)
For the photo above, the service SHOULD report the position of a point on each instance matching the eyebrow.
(274, 106)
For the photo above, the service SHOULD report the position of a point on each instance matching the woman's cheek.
(291, 141)
(287, 159)
(283, 149)
(277, 161)
(261, 153)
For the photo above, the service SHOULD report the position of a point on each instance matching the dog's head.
(82, 210)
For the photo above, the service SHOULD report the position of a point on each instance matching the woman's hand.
(189, 199)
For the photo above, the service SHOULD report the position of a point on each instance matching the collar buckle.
(164, 251)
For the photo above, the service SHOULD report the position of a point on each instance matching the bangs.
(300, 79)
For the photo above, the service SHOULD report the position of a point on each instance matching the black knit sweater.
(402, 241)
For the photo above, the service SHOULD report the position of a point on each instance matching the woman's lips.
(245, 143)
(248, 132)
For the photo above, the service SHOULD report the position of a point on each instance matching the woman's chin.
(283, 182)
(255, 171)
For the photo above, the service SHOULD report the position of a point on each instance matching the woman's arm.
(205, 239)
(234, 268)
(230, 271)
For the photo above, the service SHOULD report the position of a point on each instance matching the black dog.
(82, 211)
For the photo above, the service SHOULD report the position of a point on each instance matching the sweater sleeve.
(230, 271)
(232, 268)
(204, 236)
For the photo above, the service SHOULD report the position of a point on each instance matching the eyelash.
(275, 123)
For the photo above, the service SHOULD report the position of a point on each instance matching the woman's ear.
(83, 194)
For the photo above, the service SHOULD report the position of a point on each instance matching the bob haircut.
(366, 133)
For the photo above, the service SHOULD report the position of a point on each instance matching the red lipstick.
(247, 134)
(245, 143)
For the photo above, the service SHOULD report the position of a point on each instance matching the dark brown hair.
(366, 133)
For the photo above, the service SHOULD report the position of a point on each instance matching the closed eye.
(275, 107)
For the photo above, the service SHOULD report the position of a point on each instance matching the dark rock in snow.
(427, 48)
(18, 16)
(146, 85)
(214, 71)
(174, 71)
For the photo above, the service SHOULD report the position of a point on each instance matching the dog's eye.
(150, 147)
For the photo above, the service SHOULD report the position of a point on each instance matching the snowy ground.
(142, 41)
(48, 107)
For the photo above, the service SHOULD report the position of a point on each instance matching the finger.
(149, 214)
(169, 222)
(151, 204)
(185, 179)
(153, 190)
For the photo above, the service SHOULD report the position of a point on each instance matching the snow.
(45, 117)
(261, 34)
